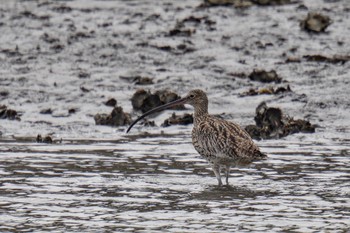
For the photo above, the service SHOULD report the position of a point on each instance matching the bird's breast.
(205, 145)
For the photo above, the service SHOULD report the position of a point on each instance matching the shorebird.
(224, 144)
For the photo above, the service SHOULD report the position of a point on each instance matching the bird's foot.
(219, 182)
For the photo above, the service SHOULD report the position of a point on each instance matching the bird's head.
(197, 98)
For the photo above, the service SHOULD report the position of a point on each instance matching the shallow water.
(67, 55)
(162, 184)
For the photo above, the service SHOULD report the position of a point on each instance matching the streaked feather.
(216, 139)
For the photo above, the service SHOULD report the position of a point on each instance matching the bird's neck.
(200, 113)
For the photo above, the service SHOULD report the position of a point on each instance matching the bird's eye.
(192, 96)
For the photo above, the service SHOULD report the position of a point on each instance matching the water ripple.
(91, 186)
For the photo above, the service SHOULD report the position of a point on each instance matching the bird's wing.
(224, 138)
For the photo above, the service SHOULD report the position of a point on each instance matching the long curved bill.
(157, 109)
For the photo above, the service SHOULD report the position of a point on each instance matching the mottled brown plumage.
(222, 143)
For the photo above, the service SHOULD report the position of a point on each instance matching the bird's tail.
(259, 155)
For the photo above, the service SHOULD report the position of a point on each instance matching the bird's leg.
(227, 173)
(216, 169)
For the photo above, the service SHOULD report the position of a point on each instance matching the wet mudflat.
(62, 61)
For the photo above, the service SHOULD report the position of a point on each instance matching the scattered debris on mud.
(49, 111)
(185, 119)
(84, 89)
(266, 91)
(46, 111)
(46, 139)
(265, 76)
(244, 3)
(138, 80)
(116, 118)
(181, 48)
(315, 22)
(182, 27)
(84, 74)
(144, 101)
(271, 123)
(10, 114)
(180, 30)
(321, 58)
(271, 2)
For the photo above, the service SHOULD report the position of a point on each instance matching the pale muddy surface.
(72, 54)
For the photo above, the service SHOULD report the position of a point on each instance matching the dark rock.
(116, 118)
(46, 139)
(111, 102)
(296, 126)
(39, 138)
(10, 114)
(138, 98)
(145, 101)
(265, 76)
(272, 123)
(186, 119)
(167, 96)
(271, 117)
(315, 22)
(254, 131)
(151, 102)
